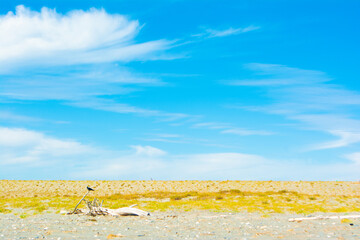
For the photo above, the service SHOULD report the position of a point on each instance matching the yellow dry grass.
(252, 196)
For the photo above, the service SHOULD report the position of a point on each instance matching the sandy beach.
(181, 210)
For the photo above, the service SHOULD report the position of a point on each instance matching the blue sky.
(247, 90)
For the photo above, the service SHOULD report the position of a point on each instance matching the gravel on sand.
(176, 225)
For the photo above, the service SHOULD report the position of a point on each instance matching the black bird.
(89, 188)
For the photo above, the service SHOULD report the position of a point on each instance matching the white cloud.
(148, 151)
(346, 129)
(168, 135)
(278, 75)
(72, 83)
(308, 97)
(246, 132)
(12, 137)
(9, 116)
(354, 157)
(345, 139)
(21, 145)
(228, 129)
(212, 33)
(85, 90)
(211, 125)
(112, 106)
(78, 37)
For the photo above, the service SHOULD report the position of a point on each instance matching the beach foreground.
(175, 225)
(181, 209)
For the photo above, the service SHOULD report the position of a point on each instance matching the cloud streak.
(226, 128)
(246, 132)
(309, 97)
(347, 130)
(214, 33)
(112, 106)
(11, 117)
(280, 75)
(354, 157)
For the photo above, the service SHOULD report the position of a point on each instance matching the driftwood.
(80, 202)
(95, 208)
(323, 217)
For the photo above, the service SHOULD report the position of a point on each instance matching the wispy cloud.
(344, 139)
(86, 90)
(168, 135)
(9, 116)
(309, 97)
(279, 75)
(112, 106)
(214, 33)
(211, 125)
(183, 139)
(246, 132)
(347, 130)
(354, 157)
(148, 151)
(227, 128)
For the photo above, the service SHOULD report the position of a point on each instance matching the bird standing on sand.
(89, 188)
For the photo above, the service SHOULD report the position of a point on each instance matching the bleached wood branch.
(323, 217)
(128, 211)
(80, 202)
